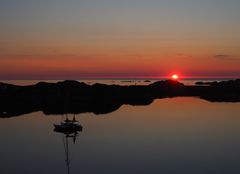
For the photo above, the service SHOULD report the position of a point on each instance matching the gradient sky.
(74, 39)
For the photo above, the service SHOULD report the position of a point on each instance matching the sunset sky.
(74, 39)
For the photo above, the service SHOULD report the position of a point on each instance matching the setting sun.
(175, 76)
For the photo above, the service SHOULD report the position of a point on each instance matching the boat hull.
(67, 128)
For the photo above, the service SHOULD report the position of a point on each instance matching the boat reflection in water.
(69, 130)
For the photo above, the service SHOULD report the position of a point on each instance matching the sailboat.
(69, 129)
(68, 126)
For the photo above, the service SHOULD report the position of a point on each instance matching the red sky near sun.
(119, 40)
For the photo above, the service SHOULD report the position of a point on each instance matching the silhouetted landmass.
(77, 97)
(206, 83)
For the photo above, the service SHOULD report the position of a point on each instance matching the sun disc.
(174, 76)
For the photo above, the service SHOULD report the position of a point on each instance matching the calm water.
(171, 136)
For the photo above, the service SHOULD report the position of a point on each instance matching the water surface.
(170, 136)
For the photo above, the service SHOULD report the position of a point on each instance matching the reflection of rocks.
(75, 97)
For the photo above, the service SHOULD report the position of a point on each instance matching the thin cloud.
(46, 56)
(222, 56)
(225, 57)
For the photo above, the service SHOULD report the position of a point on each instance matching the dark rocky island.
(76, 97)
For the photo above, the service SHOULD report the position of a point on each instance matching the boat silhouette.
(68, 126)
(69, 130)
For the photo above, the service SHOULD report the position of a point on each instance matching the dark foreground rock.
(76, 97)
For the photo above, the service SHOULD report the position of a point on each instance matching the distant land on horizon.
(78, 97)
(133, 78)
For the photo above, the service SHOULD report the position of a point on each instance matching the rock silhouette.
(77, 97)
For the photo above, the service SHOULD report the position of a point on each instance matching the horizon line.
(132, 78)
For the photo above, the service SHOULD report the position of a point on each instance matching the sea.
(181, 135)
